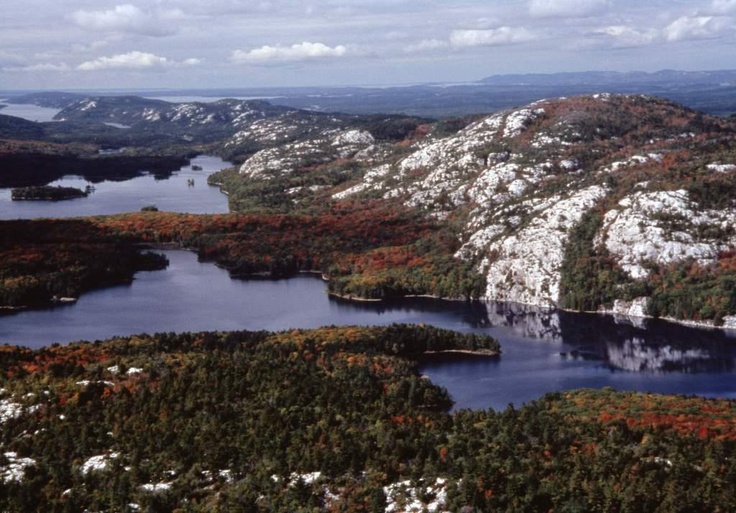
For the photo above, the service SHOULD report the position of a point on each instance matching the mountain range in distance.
(712, 92)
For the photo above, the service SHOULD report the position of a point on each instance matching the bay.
(29, 111)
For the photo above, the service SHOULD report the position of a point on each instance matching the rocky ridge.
(518, 182)
(656, 177)
(132, 110)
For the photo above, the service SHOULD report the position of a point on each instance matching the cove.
(543, 351)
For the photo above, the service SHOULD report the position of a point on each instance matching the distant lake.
(29, 112)
(173, 194)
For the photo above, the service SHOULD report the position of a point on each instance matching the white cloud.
(9, 60)
(490, 37)
(127, 18)
(566, 8)
(95, 45)
(296, 52)
(696, 27)
(48, 67)
(130, 60)
(724, 6)
(685, 28)
(628, 37)
(426, 45)
(38, 67)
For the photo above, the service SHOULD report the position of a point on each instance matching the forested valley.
(369, 250)
(334, 419)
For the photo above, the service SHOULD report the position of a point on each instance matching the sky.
(184, 44)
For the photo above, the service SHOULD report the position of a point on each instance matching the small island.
(48, 193)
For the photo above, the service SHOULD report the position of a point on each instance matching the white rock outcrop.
(661, 227)
(524, 267)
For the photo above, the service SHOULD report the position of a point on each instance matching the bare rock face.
(287, 158)
(525, 267)
(519, 181)
(663, 227)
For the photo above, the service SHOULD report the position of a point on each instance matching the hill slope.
(582, 202)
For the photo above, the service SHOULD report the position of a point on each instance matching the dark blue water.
(542, 351)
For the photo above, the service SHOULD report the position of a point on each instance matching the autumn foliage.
(376, 243)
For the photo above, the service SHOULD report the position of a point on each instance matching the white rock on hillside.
(458, 172)
(287, 158)
(403, 497)
(525, 266)
(97, 463)
(15, 469)
(518, 120)
(9, 410)
(721, 168)
(639, 231)
(371, 179)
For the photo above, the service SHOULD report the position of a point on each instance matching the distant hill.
(12, 127)
(672, 79)
(713, 92)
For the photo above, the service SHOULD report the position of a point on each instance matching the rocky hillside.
(191, 121)
(623, 203)
(594, 202)
(234, 128)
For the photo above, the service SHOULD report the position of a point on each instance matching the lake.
(543, 350)
(29, 111)
(173, 194)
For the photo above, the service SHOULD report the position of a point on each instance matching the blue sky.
(74, 44)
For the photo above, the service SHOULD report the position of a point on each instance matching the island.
(48, 193)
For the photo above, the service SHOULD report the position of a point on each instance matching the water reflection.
(616, 343)
(650, 345)
(526, 321)
(468, 315)
(636, 345)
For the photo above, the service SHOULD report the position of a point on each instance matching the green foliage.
(50, 259)
(47, 192)
(243, 421)
(183, 409)
(589, 276)
(367, 250)
(717, 191)
(693, 292)
(390, 128)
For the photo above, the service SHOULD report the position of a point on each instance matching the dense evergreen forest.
(335, 419)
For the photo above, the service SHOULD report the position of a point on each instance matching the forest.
(334, 419)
